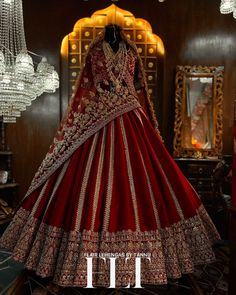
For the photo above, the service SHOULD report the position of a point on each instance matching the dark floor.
(181, 287)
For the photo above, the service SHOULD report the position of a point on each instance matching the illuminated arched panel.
(76, 43)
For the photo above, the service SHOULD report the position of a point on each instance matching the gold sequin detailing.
(130, 174)
(173, 250)
(39, 198)
(85, 182)
(154, 204)
(110, 180)
(58, 181)
(99, 177)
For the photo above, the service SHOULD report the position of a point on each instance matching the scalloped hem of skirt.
(52, 252)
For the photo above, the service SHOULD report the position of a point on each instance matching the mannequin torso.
(112, 36)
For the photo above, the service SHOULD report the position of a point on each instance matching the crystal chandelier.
(21, 81)
(228, 6)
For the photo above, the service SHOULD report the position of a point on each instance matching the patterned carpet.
(213, 279)
(172, 289)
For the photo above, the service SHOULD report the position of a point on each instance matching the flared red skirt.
(119, 195)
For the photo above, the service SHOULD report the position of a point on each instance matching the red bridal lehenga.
(108, 186)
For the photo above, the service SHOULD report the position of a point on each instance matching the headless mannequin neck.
(112, 36)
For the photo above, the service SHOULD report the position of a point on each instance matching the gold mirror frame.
(182, 74)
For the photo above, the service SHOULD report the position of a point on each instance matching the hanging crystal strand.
(2, 58)
(16, 29)
(5, 22)
(11, 35)
(2, 38)
(19, 28)
(19, 83)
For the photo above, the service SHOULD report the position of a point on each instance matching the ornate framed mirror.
(198, 111)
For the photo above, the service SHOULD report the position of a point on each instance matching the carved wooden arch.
(76, 43)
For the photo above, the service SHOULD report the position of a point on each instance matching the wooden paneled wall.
(193, 32)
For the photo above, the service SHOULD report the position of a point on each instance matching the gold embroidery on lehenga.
(85, 182)
(174, 250)
(39, 198)
(109, 181)
(130, 175)
(177, 205)
(96, 108)
(116, 63)
(98, 177)
(58, 181)
(154, 204)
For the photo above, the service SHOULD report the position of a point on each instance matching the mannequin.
(112, 36)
